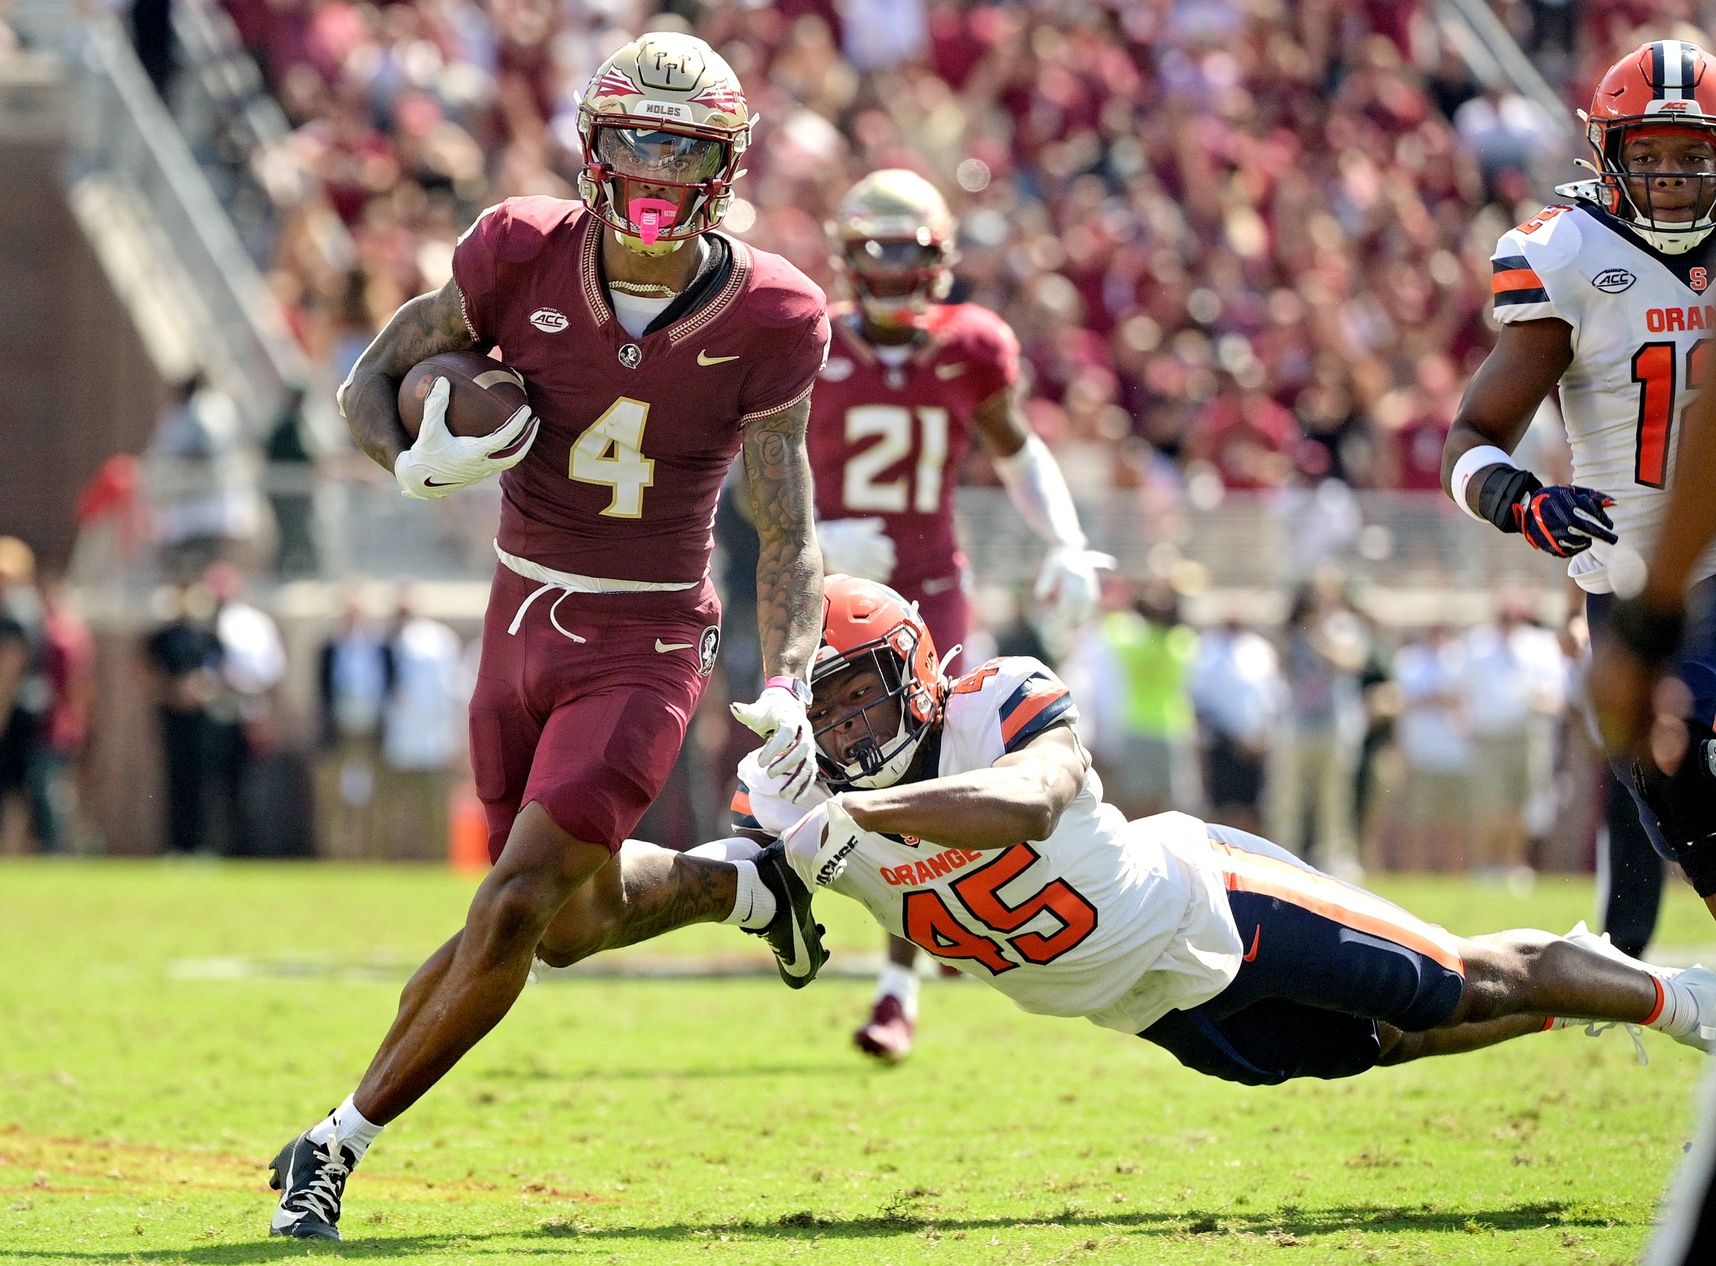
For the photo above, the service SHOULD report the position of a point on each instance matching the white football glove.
(1068, 582)
(439, 462)
(819, 844)
(858, 547)
(789, 752)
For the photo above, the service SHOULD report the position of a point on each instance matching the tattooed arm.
(369, 397)
(789, 571)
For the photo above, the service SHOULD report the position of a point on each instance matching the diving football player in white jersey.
(964, 815)
(1605, 296)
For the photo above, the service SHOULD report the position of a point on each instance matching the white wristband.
(1471, 462)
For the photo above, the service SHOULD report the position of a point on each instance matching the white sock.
(351, 1128)
(1676, 1011)
(902, 983)
(753, 903)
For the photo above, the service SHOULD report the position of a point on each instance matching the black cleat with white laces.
(794, 936)
(311, 1178)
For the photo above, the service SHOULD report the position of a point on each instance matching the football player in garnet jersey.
(1606, 295)
(964, 814)
(909, 379)
(656, 350)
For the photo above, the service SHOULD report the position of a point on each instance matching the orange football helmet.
(868, 623)
(1663, 88)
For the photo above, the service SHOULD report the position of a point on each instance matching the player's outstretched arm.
(789, 568)
(1020, 797)
(369, 397)
(1038, 490)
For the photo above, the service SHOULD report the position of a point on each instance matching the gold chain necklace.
(647, 289)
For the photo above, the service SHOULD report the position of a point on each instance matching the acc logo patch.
(549, 320)
(837, 369)
(707, 647)
(1611, 281)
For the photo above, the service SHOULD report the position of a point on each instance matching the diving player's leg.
(1582, 976)
(1326, 944)
(1401, 1047)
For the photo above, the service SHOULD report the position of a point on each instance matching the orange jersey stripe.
(1023, 714)
(1515, 279)
(1332, 899)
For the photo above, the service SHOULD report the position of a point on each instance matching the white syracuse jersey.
(1639, 322)
(1119, 922)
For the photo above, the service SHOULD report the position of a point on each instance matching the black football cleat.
(311, 1178)
(794, 936)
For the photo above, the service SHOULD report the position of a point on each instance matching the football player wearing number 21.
(1608, 296)
(909, 380)
(657, 350)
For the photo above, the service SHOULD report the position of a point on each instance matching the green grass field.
(165, 1027)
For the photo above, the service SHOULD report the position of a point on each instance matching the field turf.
(165, 1027)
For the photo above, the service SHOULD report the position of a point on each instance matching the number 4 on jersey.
(610, 453)
(1656, 370)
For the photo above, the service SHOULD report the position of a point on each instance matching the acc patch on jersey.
(1612, 281)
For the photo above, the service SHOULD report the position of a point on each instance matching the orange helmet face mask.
(866, 624)
(1665, 89)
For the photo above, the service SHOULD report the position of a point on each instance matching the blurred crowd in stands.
(1235, 236)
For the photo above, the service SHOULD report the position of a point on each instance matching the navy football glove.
(1563, 519)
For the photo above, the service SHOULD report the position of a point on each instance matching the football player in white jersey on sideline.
(1606, 296)
(983, 837)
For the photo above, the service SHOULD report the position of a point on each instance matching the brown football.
(483, 393)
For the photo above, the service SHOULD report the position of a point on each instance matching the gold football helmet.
(664, 125)
(893, 243)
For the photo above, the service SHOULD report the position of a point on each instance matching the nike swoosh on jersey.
(946, 372)
(704, 358)
(1250, 955)
(665, 647)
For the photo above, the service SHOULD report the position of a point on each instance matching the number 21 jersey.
(1115, 921)
(1639, 320)
(889, 428)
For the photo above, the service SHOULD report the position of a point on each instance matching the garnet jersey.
(637, 433)
(887, 439)
(1639, 322)
(1119, 922)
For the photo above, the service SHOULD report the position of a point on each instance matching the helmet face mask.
(664, 126)
(865, 689)
(876, 666)
(894, 279)
(1652, 131)
(1647, 155)
(893, 243)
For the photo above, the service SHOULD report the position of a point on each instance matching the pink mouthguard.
(651, 215)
